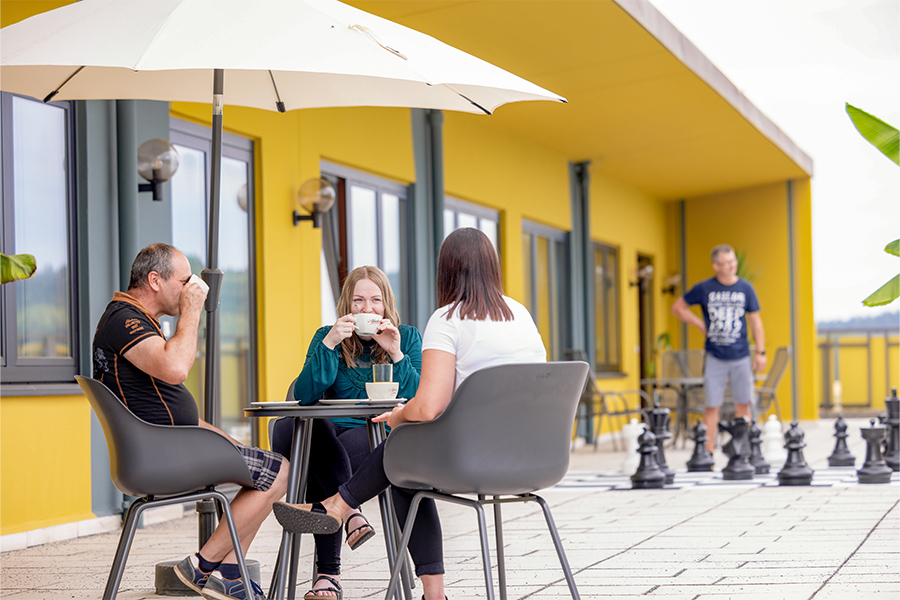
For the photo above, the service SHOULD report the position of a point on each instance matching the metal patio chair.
(505, 434)
(163, 465)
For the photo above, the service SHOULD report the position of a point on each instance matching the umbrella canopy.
(277, 54)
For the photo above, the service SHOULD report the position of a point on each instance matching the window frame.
(558, 266)
(481, 213)
(611, 315)
(346, 178)
(23, 371)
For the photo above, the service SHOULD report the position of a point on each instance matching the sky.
(799, 62)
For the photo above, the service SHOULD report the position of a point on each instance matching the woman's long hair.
(469, 277)
(352, 347)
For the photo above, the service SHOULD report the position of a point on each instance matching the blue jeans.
(340, 455)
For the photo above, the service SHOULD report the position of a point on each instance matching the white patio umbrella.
(270, 54)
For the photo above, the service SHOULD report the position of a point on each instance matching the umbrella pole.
(213, 277)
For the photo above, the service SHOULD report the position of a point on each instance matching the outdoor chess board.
(825, 477)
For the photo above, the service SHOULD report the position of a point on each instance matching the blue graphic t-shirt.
(725, 309)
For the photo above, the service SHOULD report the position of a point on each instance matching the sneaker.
(219, 588)
(188, 571)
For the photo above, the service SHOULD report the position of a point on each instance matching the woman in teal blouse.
(338, 365)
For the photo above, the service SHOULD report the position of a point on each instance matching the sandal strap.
(350, 518)
(336, 586)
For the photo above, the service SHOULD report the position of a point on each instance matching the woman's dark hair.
(469, 277)
(157, 257)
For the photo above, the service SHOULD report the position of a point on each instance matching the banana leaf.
(878, 133)
(18, 266)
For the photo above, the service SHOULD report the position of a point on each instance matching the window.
(39, 341)
(544, 252)
(606, 308)
(372, 216)
(237, 309)
(459, 214)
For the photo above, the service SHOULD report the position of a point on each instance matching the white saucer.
(352, 401)
(275, 404)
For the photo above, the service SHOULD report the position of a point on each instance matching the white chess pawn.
(631, 432)
(773, 442)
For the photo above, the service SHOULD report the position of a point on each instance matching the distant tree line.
(882, 321)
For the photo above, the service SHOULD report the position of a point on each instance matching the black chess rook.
(795, 470)
(892, 450)
(874, 470)
(841, 456)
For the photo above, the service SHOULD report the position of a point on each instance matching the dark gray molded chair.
(506, 432)
(162, 465)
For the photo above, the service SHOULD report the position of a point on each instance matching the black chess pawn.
(701, 459)
(795, 470)
(874, 470)
(648, 475)
(841, 456)
(892, 452)
(737, 449)
(658, 419)
(756, 456)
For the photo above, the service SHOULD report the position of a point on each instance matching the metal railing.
(846, 381)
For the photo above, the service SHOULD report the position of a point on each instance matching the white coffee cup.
(366, 324)
(196, 279)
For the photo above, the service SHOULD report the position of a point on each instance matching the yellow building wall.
(520, 179)
(45, 447)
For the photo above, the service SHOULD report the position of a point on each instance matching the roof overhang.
(645, 106)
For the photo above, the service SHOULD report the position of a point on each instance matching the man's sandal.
(366, 532)
(314, 594)
(306, 518)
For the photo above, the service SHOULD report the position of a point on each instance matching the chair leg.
(501, 561)
(222, 502)
(118, 567)
(559, 549)
(404, 543)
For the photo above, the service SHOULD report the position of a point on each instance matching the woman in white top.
(475, 328)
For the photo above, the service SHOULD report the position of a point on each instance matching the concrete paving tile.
(842, 591)
(798, 591)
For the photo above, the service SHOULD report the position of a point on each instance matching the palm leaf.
(885, 294)
(893, 248)
(18, 266)
(881, 135)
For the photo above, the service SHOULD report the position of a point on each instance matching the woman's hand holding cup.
(341, 330)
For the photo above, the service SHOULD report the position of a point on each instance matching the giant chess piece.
(737, 449)
(631, 431)
(773, 438)
(795, 470)
(841, 456)
(756, 457)
(658, 419)
(648, 475)
(875, 470)
(701, 459)
(892, 453)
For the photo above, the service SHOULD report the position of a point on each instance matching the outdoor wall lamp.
(157, 162)
(642, 275)
(671, 284)
(316, 196)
